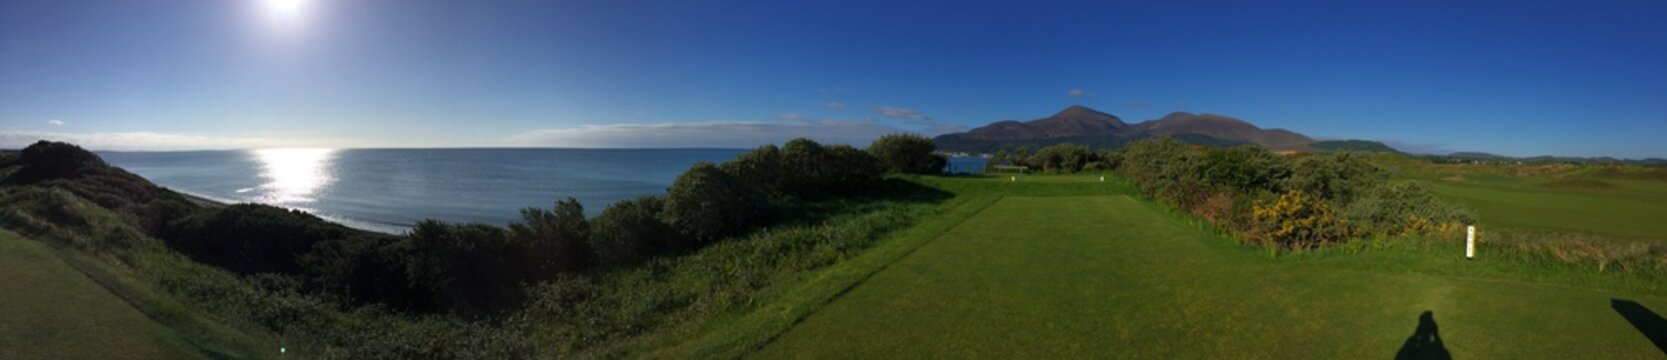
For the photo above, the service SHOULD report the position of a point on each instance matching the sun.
(285, 8)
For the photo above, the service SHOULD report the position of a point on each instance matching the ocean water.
(389, 190)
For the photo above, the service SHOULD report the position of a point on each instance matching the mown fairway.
(50, 310)
(1633, 209)
(1098, 276)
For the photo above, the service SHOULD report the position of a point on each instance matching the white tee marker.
(1470, 242)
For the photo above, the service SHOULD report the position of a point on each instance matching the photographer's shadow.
(1425, 342)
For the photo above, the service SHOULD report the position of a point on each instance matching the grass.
(1109, 275)
(1623, 202)
(48, 309)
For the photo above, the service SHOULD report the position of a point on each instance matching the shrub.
(1338, 178)
(763, 167)
(1298, 220)
(709, 204)
(1167, 169)
(468, 269)
(1405, 208)
(1064, 157)
(251, 238)
(1246, 169)
(557, 240)
(631, 230)
(908, 153)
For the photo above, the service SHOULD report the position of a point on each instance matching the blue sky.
(1520, 78)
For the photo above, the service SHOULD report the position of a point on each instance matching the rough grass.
(49, 310)
(1046, 277)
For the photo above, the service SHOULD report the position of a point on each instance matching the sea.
(389, 190)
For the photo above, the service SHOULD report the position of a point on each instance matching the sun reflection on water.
(293, 175)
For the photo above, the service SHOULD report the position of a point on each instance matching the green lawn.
(1633, 209)
(50, 310)
(1110, 276)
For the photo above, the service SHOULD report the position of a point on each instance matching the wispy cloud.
(1077, 93)
(791, 116)
(159, 141)
(55, 122)
(836, 105)
(720, 134)
(901, 113)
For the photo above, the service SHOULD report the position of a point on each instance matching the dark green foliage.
(467, 268)
(251, 238)
(708, 204)
(1247, 169)
(557, 240)
(805, 169)
(1353, 145)
(1166, 168)
(907, 153)
(764, 168)
(851, 171)
(1338, 178)
(49, 159)
(631, 230)
(1066, 158)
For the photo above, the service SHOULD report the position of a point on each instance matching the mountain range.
(1081, 125)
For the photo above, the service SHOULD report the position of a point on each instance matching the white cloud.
(55, 122)
(158, 141)
(720, 134)
(901, 113)
(1077, 93)
(836, 105)
(790, 117)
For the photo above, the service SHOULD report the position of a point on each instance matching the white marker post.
(1470, 242)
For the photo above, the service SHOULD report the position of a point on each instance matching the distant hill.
(1082, 125)
(1352, 145)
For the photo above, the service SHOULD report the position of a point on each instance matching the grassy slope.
(50, 310)
(1108, 275)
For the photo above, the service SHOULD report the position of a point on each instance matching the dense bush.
(251, 238)
(1246, 169)
(468, 269)
(1310, 201)
(1298, 220)
(631, 230)
(805, 169)
(908, 153)
(1338, 178)
(1068, 158)
(1405, 208)
(708, 204)
(556, 240)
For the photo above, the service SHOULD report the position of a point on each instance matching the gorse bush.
(1297, 220)
(557, 240)
(1405, 209)
(1275, 201)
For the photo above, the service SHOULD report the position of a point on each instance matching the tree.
(908, 153)
(708, 204)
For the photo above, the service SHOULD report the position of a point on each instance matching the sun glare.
(293, 175)
(285, 8)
